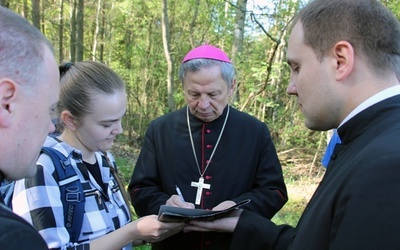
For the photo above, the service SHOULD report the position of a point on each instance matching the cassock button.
(208, 131)
(208, 177)
(208, 193)
(207, 161)
(209, 146)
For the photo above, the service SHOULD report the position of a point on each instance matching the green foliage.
(290, 213)
(132, 45)
(125, 168)
(144, 247)
(127, 36)
(394, 6)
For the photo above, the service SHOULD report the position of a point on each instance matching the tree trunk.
(36, 13)
(73, 31)
(168, 57)
(240, 18)
(26, 9)
(96, 30)
(79, 30)
(102, 32)
(60, 33)
(237, 46)
(4, 3)
(193, 23)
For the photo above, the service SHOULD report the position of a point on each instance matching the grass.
(291, 212)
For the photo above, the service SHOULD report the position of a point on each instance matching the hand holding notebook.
(178, 214)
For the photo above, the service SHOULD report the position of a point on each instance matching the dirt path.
(299, 191)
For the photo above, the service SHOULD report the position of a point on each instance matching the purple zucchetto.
(206, 52)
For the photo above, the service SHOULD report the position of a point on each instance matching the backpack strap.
(72, 195)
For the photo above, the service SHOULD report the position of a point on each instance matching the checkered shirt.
(38, 201)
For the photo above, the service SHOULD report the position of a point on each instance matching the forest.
(145, 41)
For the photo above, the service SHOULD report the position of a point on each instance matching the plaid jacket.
(37, 200)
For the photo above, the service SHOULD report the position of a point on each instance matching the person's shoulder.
(62, 147)
(169, 117)
(9, 219)
(55, 150)
(16, 233)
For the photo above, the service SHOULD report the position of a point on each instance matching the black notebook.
(178, 214)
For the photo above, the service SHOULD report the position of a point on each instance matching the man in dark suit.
(29, 89)
(344, 57)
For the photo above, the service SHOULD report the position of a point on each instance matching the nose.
(291, 88)
(204, 102)
(118, 128)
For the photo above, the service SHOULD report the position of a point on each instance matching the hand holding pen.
(178, 191)
(181, 201)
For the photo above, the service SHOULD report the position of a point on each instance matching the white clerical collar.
(384, 94)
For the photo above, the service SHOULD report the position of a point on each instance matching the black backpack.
(72, 195)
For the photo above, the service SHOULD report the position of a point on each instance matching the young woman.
(92, 103)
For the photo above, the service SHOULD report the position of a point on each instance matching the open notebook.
(178, 214)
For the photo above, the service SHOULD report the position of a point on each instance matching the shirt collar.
(384, 94)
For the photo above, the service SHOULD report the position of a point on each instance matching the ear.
(8, 95)
(69, 120)
(344, 56)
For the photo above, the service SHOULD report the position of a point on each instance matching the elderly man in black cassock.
(215, 154)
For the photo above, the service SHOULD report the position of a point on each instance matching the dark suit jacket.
(16, 233)
(357, 204)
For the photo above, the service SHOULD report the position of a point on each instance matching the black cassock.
(356, 206)
(244, 166)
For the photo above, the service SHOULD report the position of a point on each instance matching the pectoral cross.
(200, 185)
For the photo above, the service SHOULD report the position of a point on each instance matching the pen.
(179, 193)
